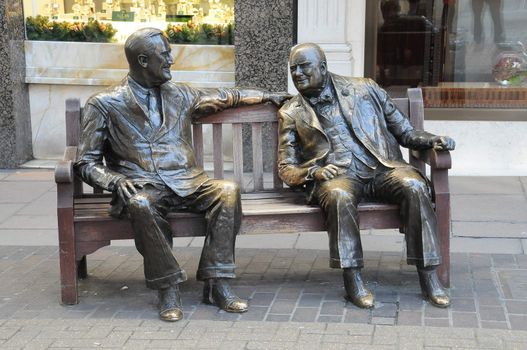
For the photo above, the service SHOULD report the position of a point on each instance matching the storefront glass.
(185, 21)
(464, 53)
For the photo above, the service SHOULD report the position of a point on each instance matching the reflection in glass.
(450, 44)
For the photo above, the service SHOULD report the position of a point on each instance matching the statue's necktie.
(153, 110)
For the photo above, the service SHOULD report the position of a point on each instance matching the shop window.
(185, 21)
(464, 53)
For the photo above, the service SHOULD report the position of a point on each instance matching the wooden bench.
(84, 224)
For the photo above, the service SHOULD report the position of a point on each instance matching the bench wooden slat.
(277, 182)
(217, 149)
(237, 154)
(250, 207)
(197, 138)
(247, 114)
(257, 156)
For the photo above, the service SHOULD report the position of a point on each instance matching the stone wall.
(263, 37)
(15, 122)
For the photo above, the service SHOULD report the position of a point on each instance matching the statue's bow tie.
(322, 99)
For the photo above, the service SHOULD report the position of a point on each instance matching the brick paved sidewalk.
(296, 301)
(249, 335)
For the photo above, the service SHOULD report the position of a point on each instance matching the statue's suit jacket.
(370, 114)
(115, 127)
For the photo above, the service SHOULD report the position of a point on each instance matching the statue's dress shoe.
(356, 290)
(170, 304)
(432, 289)
(218, 292)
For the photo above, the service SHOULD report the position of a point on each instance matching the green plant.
(204, 34)
(41, 28)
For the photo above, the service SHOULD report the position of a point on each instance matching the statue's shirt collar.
(327, 96)
(140, 92)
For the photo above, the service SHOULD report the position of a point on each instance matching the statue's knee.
(339, 194)
(230, 189)
(416, 186)
(138, 203)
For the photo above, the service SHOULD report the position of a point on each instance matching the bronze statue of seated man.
(136, 142)
(339, 138)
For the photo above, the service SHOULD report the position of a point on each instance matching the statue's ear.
(143, 60)
(323, 67)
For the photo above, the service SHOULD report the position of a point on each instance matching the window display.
(200, 21)
(464, 54)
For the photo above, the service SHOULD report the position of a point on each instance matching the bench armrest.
(436, 159)
(64, 169)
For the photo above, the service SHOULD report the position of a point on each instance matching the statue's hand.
(326, 173)
(277, 98)
(443, 143)
(127, 188)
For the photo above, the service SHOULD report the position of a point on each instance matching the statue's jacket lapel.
(165, 153)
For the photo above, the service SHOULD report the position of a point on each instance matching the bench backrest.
(255, 116)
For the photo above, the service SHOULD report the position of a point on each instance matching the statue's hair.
(309, 46)
(139, 43)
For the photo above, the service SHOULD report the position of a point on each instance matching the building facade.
(466, 55)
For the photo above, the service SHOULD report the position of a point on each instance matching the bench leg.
(443, 228)
(82, 268)
(67, 257)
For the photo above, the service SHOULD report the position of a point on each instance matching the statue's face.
(158, 61)
(308, 71)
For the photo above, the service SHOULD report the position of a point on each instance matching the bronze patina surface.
(339, 138)
(136, 142)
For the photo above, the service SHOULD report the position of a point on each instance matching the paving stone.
(282, 306)
(411, 302)
(8, 332)
(233, 345)
(491, 313)
(136, 344)
(346, 339)
(437, 322)
(494, 325)
(488, 300)
(7, 210)
(478, 229)
(516, 306)
(487, 245)
(410, 318)
(385, 310)
(503, 260)
(465, 319)
(286, 334)
(332, 308)
(310, 300)
(463, 304)
(28, 222)
(505, 208)
(23, 192)
(383, 320)
(490, 342)
(277, 318)
(355, 315)
(329, 319)
(435, 312)
(445, 341)
(255, 313)
(518, 322)
(262, 299)
(305, 314)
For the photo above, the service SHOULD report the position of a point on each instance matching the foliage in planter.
(204, 34)
(41, 28)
